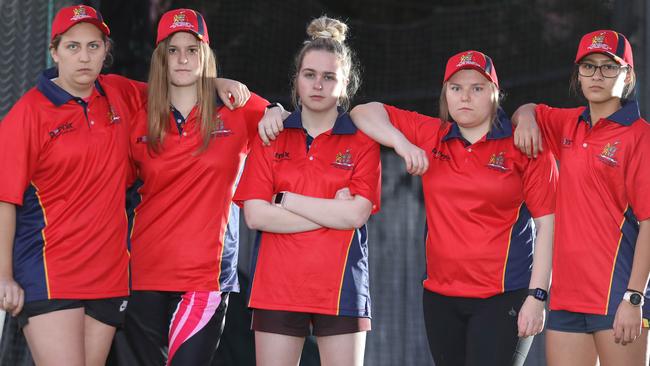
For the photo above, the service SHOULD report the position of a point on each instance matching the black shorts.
(303, 324)
(466, 331)
(110, 311)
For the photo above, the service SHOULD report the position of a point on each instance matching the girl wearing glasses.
(601, 258)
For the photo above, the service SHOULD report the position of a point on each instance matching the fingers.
(261, 130)
(521, 325)
(416, 162)
(21, 302)
(12, 299)
(618, 331)
(225, 98)
(534, 145)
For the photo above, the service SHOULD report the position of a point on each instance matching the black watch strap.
(538, 293)
(273, 105)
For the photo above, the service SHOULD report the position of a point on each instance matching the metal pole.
(50, 15)
(644, 82)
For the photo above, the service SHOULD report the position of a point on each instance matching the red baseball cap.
(182, 20)
(608, 42)
(71, 15)
(471, 60)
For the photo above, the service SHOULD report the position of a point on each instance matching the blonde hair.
(329, 35)
(445, 116)
(159, 100)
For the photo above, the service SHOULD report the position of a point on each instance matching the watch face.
(278, 198)
(635, 299)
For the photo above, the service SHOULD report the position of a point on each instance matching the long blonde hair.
(159, 100)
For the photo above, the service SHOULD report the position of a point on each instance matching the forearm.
(263, 216)
(372, 119)
(543, 256)
(524, 113)
(641, 263)
(331, 213)
(7, 232)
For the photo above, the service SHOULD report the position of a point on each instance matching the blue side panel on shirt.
(256, 252)
(228, 280)
(28, 261)
(520, 257)
(355, 290)
(623, 264)
(133, 199)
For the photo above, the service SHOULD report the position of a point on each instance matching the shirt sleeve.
(19, 150)
(366, 178)
(257, 179)
(416, 127)
(637, 176)
(551, 122)
(540, 184)
(253, 112)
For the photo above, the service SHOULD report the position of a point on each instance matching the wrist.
(538, 294)
(279, 199)
(273, 106)
(635, 298)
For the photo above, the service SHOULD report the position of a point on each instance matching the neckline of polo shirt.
(342, 126)
(57, 95)
(625, 116)
(500, 130)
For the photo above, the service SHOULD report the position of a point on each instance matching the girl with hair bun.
(487, 205)
(309, 194)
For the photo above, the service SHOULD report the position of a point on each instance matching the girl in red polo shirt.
(481, 198)
(310, 194)
(64, 262)
(187, 150)
(601, 258)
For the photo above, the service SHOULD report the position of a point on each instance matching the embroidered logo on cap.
(467, 59)
(598, 42)
(79, 13)
(180, 20)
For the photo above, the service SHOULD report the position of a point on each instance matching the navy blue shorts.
(568, 321)
(110, 311)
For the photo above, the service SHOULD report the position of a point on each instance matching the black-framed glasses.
(607, 70)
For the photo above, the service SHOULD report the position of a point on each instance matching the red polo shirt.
(179, 238)
(480, 199)
(604, 190)
(65, 163)
(322, 271)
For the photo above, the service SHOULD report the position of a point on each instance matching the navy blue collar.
(625, 116)
(502, 128)
(55, 93)
(342, 126)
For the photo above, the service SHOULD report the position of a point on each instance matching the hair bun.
(325, 27)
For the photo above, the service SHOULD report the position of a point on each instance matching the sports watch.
(538, 294)
(633, 297)
(279, 199)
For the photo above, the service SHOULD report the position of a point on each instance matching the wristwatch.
(633, 297)
(538, 294)
(274, 104)
(279, 199)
